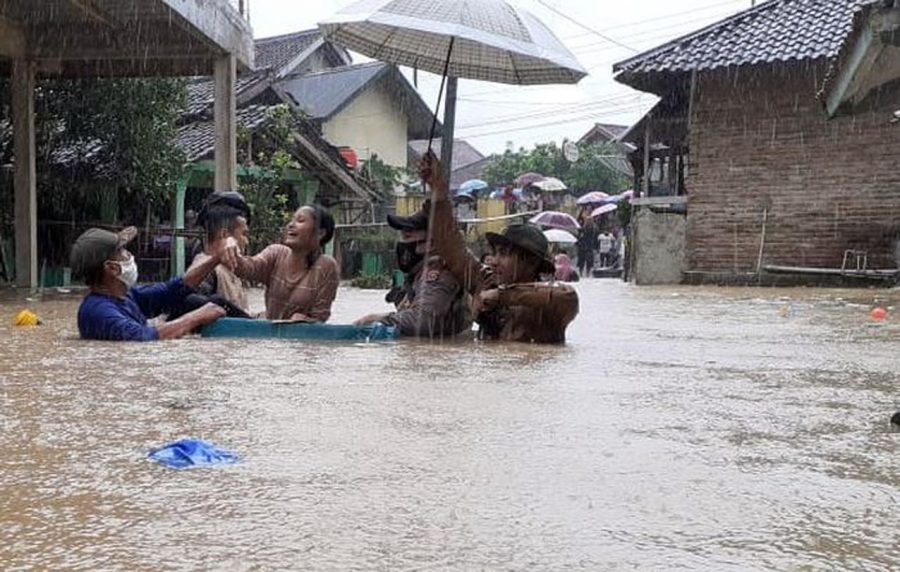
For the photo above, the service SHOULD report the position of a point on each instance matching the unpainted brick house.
(776, 125)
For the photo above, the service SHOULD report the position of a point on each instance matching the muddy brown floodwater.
(680, 428)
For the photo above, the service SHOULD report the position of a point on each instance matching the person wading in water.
(510, 300)
(431, 303)
(301, 281)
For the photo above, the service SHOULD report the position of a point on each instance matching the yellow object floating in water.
(26, 318)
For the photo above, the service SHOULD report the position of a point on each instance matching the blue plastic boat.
(238, 328)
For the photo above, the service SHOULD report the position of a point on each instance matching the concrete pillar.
(449, 127)
(226, 124)
(178, 224)
(25, 180)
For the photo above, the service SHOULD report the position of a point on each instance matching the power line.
(596, 32)
(642, 37)
(598, 110)
(579, 108)
(621, 94)
(554, 123)
(671, 16)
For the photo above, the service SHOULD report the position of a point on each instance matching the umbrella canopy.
(559, 236)
(526, 179)
(592, 198)
(556, 219)
(488, 40)
(550, 185)
(492, 40)
(603, 210)
(472, 185)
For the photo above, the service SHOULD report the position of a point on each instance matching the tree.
(118, 132)
(266, 149)
(104, 151)
(589, 173)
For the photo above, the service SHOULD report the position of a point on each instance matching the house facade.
(769, 179)
(370, 108)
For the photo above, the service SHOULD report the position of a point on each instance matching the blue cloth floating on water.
(187, 453)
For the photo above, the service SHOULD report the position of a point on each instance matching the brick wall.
(760, 139)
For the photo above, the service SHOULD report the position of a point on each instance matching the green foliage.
(269, 200)
(383, 177)
(121, 132)
(589, 173)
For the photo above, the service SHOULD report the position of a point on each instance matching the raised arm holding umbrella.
(488, 40)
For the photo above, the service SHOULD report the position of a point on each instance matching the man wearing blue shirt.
(116, 308)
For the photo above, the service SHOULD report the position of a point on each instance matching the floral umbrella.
(603, 210)
(556, 219)
(526, 179)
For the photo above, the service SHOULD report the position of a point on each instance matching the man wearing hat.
(116, 308)
(510, 300)
(430, 303)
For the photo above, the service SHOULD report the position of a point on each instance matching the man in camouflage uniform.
(431, 302)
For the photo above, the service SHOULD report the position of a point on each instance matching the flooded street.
(680, 428)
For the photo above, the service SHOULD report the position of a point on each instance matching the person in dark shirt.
(431, 303)
(116, 308)
(511, 301)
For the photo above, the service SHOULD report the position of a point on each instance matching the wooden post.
(25, 179)
(645, 192)
(449, 127)
(226, 124)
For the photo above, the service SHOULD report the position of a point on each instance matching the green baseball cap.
(95, 246)
(525, 237)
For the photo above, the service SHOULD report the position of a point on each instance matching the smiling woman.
(301, 281)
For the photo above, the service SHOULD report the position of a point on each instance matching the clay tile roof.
(278, 51)
(776, 31)
(198, 140)
(201, 91)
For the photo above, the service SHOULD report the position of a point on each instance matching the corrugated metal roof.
(276, 52)
(777, 31)
(464, 154)
(325, 93)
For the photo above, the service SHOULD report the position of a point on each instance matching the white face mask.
(128, 272)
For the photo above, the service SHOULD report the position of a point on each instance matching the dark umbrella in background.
(488, 40)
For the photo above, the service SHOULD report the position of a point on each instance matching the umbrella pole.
(449, 127)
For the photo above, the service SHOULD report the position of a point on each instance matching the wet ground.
(680, 428)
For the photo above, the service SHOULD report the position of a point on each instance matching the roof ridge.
(285, 36)
(339, 69)
(674, 43)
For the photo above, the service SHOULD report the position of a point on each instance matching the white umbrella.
(488, 40)
(599, 211)
(550, 185)
(559, 236)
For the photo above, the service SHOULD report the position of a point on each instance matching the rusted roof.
(776, 31)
